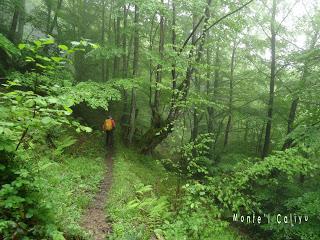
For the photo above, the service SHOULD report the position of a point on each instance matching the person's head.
(110, 117)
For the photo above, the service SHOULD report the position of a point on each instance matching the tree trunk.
(117, 43)
(210, 109)
(156, 116)
(134, 73)
(125, 57)
(267, 140)
(151, 70)
(124, 43)
(174, 37)
(294, 104)
(22, 22)
(108, 61)
(103, 27)
(259, 139)
(232, 67)
(14, 24)
(208, 87)
(226, 133)
(55, 18)
(155, 136)
(216, 139)
(212, 123)
(195, 126)
(125, 118)
(292, 115)
(49, 11)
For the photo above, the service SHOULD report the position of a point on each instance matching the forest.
(159, 119)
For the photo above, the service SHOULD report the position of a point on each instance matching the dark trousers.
(109, 138)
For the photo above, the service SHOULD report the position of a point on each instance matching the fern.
(8, 47)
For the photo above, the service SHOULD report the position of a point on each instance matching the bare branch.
(191, 34)
(267, 35)
(266, 6)
(221, 19)
(290, 10)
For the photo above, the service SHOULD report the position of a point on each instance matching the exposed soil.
(95, 220)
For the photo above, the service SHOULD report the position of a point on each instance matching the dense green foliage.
(47, 197)
(35, 130)
(216, 105)
(140, 204)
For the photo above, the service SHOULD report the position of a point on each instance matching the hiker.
(109, 126)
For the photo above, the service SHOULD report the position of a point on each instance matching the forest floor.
(94, 219)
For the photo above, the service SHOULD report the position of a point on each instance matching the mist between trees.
(224, 94)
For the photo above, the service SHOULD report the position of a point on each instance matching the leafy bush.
(243, 189)
(247, 185)
(23, 215)
(7, 46)
(34, 105)
(138, 202)
(197, 218)
(45, 198)
(8, 54)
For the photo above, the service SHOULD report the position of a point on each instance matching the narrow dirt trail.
(94, 220)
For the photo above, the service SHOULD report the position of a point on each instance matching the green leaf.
(57, 59)
(22, 46)
(30, 59)
(87, 129)
(48, 41)
(63, 47)
(8, 46)
(29, 214)
(2, 167)
(38, 43)
(41, 66)
(69, 110)
(46, 120)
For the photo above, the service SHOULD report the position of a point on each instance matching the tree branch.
(191, 34)
(290, 10)
(222, 18)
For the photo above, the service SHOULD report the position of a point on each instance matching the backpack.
(107, 126)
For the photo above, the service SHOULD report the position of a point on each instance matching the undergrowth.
(70, 184)
(139, 197)
(142, 204)
(49, 191)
